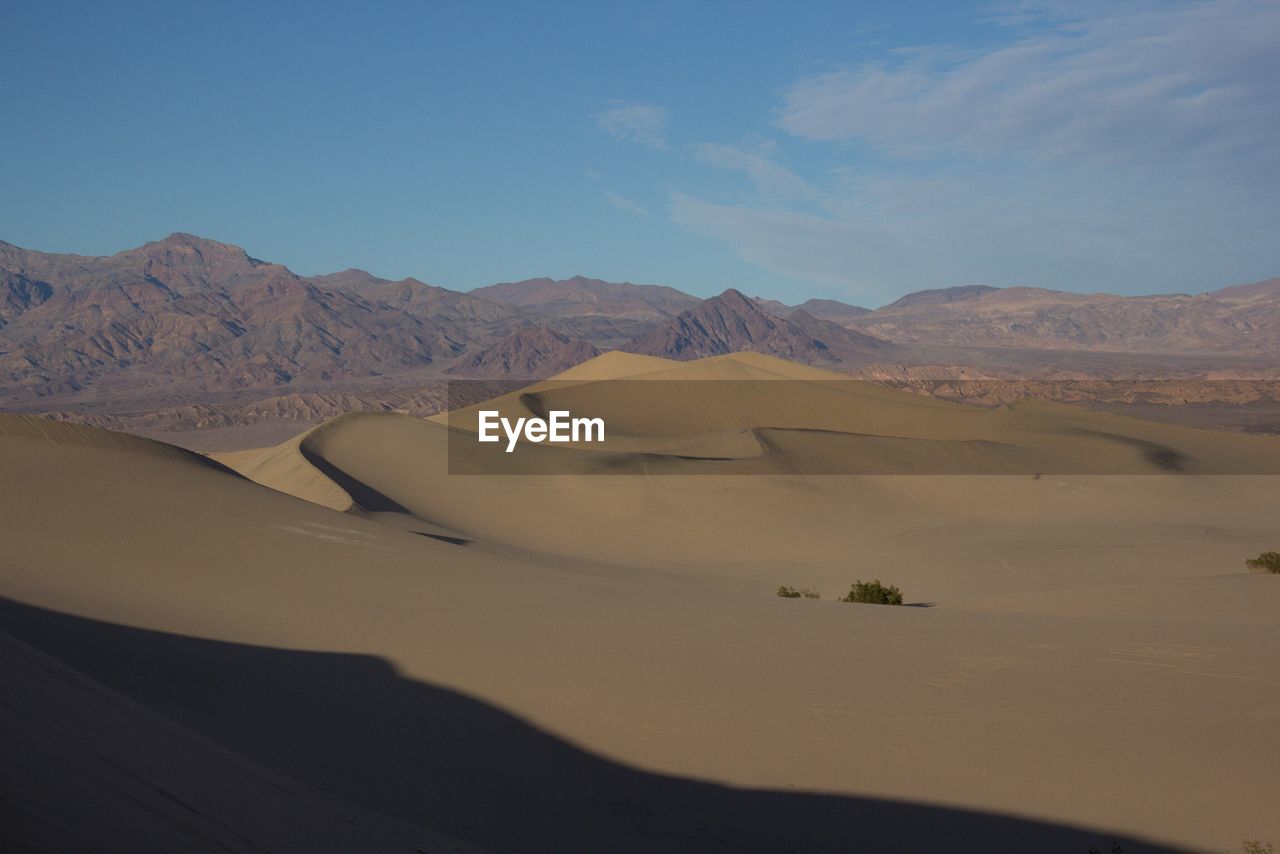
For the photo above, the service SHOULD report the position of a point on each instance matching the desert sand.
(336, 644)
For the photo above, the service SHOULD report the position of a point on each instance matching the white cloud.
(622, 203)
(635, 122)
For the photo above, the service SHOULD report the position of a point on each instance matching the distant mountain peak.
(733, 296)
(186, 237)
(731, 322)
(189, 250)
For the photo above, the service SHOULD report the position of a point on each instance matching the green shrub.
(874, 593)
(797, 593)
(1265, 562)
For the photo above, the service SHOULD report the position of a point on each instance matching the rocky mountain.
(1243, 320)
(732, 322)
(186, 317)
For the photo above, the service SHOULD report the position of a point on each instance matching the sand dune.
(1097, 665)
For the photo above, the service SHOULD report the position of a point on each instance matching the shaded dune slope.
(415, 751)
(89, 769)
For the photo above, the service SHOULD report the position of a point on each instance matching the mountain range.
(187, 321)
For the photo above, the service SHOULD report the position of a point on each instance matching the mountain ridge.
(185, 320)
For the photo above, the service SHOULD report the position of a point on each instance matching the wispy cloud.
(622, 203)
(1199, 80)
(806, 246)
(645, 124)
(769, 177)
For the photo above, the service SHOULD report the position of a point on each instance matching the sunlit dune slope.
(285, 467)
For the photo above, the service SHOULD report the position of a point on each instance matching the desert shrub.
(1265, 562)
(1254, 846)
(874, 593)
(797, 593)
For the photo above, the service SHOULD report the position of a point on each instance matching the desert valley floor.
(334, 644)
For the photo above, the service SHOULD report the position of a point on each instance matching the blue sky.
(848, 150)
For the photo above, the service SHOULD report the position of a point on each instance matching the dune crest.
(31, 427)
(285, 468)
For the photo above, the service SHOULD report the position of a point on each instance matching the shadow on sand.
(351, 725)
